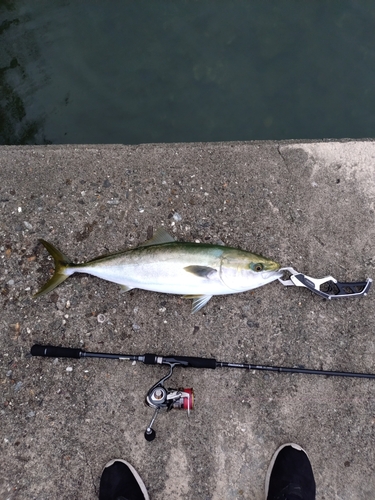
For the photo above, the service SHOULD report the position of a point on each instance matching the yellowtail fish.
(161, 264)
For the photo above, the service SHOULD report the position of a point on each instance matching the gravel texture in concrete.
(307, 205)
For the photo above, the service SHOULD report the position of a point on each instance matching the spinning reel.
(159, 398)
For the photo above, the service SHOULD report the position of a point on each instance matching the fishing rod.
(158, 396)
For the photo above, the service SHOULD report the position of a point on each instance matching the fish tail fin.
(61, 265)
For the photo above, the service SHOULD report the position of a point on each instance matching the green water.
(121, 71)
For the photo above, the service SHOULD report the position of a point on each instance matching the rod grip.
(49, 351)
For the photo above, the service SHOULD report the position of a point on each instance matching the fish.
(197, 271)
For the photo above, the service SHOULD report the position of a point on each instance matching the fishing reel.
(161, 399)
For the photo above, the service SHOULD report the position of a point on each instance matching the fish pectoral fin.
(201, 271)
(161, 236)
(199, 301)
(125, 288)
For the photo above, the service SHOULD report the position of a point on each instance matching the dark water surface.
(120, 71)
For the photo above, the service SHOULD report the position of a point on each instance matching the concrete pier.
(309, 205)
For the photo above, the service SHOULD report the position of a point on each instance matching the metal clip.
(327, 287)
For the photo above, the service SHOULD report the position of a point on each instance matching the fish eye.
(258, 267)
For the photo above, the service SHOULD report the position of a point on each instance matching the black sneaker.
(289, 475)
(120, 481)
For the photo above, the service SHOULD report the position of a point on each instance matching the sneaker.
(289, 475)
(120, 481)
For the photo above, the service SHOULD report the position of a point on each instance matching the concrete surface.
(309, 205)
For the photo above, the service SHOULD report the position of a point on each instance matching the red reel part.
(186, 401)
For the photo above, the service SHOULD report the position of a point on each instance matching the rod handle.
(49, 351)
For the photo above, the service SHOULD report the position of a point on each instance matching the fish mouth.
(267, 275)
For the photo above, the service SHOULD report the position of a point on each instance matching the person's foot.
(120, 481)
(289, 475)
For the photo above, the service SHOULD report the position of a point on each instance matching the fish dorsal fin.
(161, 236)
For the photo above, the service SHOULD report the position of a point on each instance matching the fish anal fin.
(125, 288)
(161, 236)
(201, 271)
(199, 301)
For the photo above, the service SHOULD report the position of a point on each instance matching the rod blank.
(184, 361)
(305, 371)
